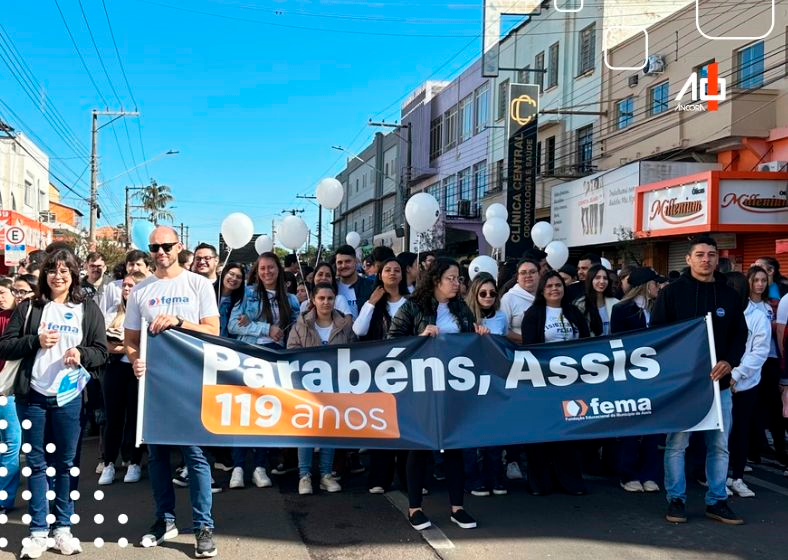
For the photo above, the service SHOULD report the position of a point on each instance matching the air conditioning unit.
(773, 166)
(464, 207)
(633, 80)
(655, 64)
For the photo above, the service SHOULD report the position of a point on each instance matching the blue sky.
(253, 108)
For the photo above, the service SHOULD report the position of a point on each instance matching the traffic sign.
(14, 253)
(15, 235)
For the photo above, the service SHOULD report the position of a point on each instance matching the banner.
(451, 391)
(521, 189)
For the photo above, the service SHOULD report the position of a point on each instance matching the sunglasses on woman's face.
(486, 294)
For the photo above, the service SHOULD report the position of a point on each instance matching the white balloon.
(542, 234)
(606, 263)
(496, 232)
(483, 263)
(422, 211)
(263, 244)
(237, 230)
(557, 254)
(329, 193)
(353, 239)
(293, 232)
(496, 210)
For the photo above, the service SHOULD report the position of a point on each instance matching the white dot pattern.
(123, 542)
(3, 472)
(3, 424)
(98, 519)
(98, 542)
(3, 519)
(98, 495)
(74, 471)
(50, 518)
(26, 448)
(26, 471)
(3, 447)
(26, 519)
(51, 471)
(26, 495)
(26, 424)
(3, 400)
(3, 542)
(123, 519)
(51, 448)
(51, 495)
(74, 495)
(74, 518)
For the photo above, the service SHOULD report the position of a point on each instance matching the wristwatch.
(180, 321)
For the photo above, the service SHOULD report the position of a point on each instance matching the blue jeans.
(305, 460)
(490, 474)
(716, 459)
(160, 472)
(63, 423)
(259, 456)
(12, 437)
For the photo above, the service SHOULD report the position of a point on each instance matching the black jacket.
(411, 320)
(687, 298)
(536, 316)
(18, 345)
(627, 316)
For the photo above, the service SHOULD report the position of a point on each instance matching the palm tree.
(155, 199)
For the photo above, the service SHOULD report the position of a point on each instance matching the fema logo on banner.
(720, 312)
(596, 408)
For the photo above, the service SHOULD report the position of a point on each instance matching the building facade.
(371, 180)
(660, 113)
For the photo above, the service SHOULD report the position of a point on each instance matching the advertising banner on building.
(447, 392)
(753, 202)
(599, 209)
(521, 189)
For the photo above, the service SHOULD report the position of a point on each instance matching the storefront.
(35, 234)
(747, 212)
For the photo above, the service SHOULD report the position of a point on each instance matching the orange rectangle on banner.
(271, 411)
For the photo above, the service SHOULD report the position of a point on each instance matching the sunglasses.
(154, 247)
(485, 293)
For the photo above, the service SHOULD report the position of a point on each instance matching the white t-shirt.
(782, 311)
(557, 328)
(110, 297)
(48, 367)
(188, 295)
(605, 320)
(324, 333)
(445, 321)
(361, 325)
(350, 296)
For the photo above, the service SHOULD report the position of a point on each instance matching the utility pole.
(319, 224)
(404, 192)
(187, 237)
(293, 211)
(181, 232)
(128, 208)
(94, 163)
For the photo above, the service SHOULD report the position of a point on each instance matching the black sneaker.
(419, 521)
(181, 478)
(463, 519)
(677, 512)
(205, 547)
(438, 473)
(159, 532)
(215, 488)
(281, 469)
(354, 464)
(721, 512)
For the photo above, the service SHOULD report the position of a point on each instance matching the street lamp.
(130, 169)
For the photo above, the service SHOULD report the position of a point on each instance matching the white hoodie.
(748, 373)
(514, 304)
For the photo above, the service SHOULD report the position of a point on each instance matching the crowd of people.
(71, 349)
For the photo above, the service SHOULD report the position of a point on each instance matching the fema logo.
(68, 316)
(574, 409)
(152, 302)
(720, 312)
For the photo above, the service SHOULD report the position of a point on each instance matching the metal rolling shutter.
(677, 252)
(761, 245)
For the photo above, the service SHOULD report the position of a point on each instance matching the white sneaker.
(650, 486)
(513, 472)
(377, 490)
(237, 478)
(66, 543)
(260, 478)
(329, 483)
(632, 486)
(305, 484)
(741, 489)
(33, 547)
(100, 467)
(747, 468)
(133, 474)
(107, 475)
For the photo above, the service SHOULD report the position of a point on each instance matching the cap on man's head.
(642, 275)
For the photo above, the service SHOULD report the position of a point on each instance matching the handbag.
(11, 367)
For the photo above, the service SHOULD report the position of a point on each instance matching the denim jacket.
(252, 306)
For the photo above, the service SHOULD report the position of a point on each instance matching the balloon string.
(219, 278)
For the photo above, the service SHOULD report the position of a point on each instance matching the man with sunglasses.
(173, 297)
